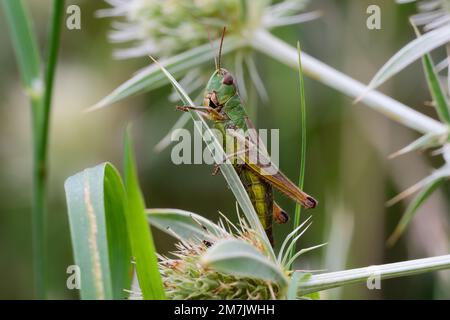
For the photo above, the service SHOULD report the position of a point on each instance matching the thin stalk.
(268, 44)
(386, 271)
(41, 115)
(38, 212)
(301, 178)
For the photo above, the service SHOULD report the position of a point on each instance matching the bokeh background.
(347, 165)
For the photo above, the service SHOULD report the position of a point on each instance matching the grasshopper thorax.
(221, 87)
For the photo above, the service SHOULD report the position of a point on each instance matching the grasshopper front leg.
(208, 112)
(201, 112)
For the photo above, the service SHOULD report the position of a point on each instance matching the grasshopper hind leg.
(279, 215)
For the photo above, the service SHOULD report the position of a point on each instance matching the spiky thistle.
(187, 277)
(199, 269)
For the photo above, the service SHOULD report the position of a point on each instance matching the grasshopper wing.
(253, 152)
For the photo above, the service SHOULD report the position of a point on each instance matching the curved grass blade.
(301, 178)
(426, 192)
(184, 224)
(97, 206)
(226, 168)
(239, 258)
(386, 271)
(437, 92)
(410, 53)
(152, 77)
(142, 246)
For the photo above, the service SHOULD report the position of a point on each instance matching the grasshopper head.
(220, 88)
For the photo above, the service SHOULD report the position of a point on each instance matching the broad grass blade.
(97, 206)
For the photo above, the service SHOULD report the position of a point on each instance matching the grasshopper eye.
(228, 79)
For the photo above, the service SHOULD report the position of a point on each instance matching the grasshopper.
(223, 106)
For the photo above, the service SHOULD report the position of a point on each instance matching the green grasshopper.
(222, 105)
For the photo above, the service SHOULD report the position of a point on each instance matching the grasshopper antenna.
(220, 47)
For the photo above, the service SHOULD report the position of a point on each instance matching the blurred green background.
(347, 166)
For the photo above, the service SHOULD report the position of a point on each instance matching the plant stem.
(41, 119)
(386, 271)
(301, 178)
(270, 45)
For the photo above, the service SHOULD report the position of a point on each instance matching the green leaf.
(152, 77)
(226, 168)
(97, 206)
(410, 53)
(437, 92)
(331, 280)
(142, 246)
(25, 46)
(415, 204)
(239, 258)
(184, 225)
